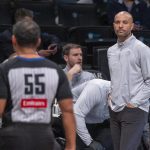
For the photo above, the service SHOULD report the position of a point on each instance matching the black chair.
(44, 11)
(77, 14)
(87, 34)
(6, 13)
(4, 27)
(59, 31)
(100, 61)
(143, 35)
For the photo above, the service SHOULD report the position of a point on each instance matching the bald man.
(129, 61)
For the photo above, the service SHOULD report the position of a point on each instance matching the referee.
(28, 85)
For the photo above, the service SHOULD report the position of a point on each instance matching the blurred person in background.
(137, 8)
(49, 46)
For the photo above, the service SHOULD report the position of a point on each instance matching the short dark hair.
(68, 47)
(21, 13)
(27, 32)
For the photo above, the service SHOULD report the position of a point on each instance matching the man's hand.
(52, 50)
(96, 146)
(75, 69)
(130, 105)
(44, 53)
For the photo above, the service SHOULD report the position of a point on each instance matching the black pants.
(100, 133)
(23, 136)
(127, 128)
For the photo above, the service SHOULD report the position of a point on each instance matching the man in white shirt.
(129, 61)
(91, 113)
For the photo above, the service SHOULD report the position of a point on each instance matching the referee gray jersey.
(30, 86)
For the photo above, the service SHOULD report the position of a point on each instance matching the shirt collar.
(135, 1)
(126, 42)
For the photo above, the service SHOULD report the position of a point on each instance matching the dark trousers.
(99, 132)
(27, 137)
(127, 128)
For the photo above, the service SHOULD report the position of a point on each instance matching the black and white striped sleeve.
(63, 90)
(3, 84)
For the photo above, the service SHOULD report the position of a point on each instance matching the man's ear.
(132, 26)
(13, 39)
(66, 58)
(38, 42)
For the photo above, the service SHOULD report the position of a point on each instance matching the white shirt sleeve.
(85, 103)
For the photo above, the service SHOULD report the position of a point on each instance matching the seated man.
(91, 112)
(72, 54)
(49, 43)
